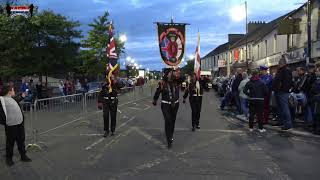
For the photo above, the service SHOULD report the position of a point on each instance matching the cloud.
(135, 18)
(100, 1)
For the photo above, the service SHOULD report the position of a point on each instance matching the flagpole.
(247, 63)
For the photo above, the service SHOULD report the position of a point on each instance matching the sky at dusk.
(135, 19)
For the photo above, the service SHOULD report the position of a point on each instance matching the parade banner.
(171, 38)
(112, 57)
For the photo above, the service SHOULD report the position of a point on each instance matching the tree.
(94, 46)
(44, 44)
(189, 68)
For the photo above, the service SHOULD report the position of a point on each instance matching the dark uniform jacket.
(104, 95)
(166, 89)
(3, 117)
(191, 90)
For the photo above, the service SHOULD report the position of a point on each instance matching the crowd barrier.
(49, 116)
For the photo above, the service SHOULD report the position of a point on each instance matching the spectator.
(12, 117)
(85, 85)
(24, 86)
(1, 87)
(303, 88)
(256, 90)
(267, 80)
(78, 86)
(315, 100)
(61, 88)
(281, 86)
(228, 95)
(39, 90)
(244, 97)
(235, 91)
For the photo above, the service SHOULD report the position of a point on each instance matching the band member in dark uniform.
(108, 101)
(168, 87)
(195, 92)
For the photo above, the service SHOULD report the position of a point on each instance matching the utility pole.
(308, 59)
(247, 63)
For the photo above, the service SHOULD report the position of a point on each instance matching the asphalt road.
(222, 149)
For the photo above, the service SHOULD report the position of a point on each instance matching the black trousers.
(195, 103)
(170, 116)
(110, 109)
(256, 108)
(15, 134)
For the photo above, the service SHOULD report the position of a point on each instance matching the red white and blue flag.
(197, 61)
(112, 57)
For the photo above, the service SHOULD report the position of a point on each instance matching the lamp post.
(246, 9)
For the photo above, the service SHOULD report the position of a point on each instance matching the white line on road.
(201, 130)
(101, 139)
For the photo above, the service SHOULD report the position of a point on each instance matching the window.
(258, 51)
(266, 46)
(275, 44)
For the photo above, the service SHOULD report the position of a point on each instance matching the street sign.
(221, 63)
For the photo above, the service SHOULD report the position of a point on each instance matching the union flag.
(112, 57)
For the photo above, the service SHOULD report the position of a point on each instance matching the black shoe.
(198, 127)
(9, 162)
(112, 133)
(106, 133)
(285, 129)
(25, 158)
(193, 129)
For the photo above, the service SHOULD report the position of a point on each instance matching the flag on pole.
(197, 62)
(112, 57)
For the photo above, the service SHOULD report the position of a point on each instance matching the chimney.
(253, 25)
(234, 37)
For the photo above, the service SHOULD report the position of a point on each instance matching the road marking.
(94, 144)
(101, 139)
(93, 159)
(203, 145)
(150, 138)
(91, 134)
(133, 101)
(201, 130)
(135, 108)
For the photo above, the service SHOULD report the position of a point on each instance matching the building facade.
(266, 45)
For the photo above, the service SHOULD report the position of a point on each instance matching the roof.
(218, 50)
(262, 31)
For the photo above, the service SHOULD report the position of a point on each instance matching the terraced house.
(266, 42)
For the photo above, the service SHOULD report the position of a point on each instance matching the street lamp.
(128, 58)
(123, 38)
(191, 56)
(239, 13)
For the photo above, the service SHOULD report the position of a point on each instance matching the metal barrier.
(52, 114)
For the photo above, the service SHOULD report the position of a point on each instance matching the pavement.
(222, 149)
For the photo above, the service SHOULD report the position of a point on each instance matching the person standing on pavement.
(256, 90)
(243, 96)
(282, 83)
(267, 80)
(315, 100)
(12, 118)
(108, 101)
(235, 91)
(195, 93)
(168, 87)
